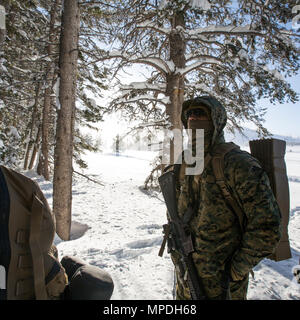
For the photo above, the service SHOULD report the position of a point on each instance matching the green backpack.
(270, 154)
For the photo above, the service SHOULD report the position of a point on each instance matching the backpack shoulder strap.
(218, 168)
(37, 255)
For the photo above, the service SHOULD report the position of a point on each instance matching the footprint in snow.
(139, 244)
(149, 226)
(136, 248)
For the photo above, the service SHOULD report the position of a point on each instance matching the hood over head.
(217, 113)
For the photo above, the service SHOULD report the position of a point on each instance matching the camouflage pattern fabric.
(218, 239)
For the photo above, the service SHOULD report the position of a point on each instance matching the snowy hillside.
(118, 227)
(249, 134)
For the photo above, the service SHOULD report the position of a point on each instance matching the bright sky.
(283, 119)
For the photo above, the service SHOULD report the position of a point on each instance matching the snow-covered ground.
(118, 227)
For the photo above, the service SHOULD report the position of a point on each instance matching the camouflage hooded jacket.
(214, 226)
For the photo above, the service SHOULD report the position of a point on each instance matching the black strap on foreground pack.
(4, 236)
(183, 240)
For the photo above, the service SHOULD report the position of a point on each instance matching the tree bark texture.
(36, 147)
(175, 81)
(44, 158)
(32, 125)
(63, 156)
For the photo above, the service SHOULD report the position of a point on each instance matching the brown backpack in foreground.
(34, 271)
(270, 154)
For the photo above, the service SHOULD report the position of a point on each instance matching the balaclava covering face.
(217, 114)
(199, 118)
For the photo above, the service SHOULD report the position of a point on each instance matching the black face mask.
(208, 127)
(200, 124)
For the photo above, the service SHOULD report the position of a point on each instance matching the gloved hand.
(225, 282)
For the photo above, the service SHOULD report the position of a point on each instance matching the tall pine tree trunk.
(2, 23)
(36, 147)
(44, 157)
(32, 125)
(63, 155)
(175, 81)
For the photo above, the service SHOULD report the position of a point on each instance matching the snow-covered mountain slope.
(249, 134)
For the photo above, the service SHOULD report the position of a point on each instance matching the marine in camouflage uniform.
(224, 255)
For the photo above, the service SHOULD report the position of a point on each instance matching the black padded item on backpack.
(90, 283)
(71, 264)
(86, 282)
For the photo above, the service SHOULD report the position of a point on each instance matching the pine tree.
(28, 83)
(21, 62)
(63, 168)
(238, 51)
(2, 24)
(50, 76)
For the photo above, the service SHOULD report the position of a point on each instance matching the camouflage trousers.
(213, 289)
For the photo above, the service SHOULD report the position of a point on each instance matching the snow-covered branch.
(144, 86)
(149, 24)
(153, 61)
(215, 30)
(164, 100)
(198, 64)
